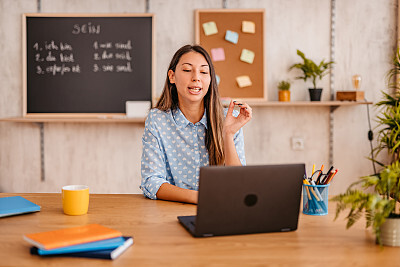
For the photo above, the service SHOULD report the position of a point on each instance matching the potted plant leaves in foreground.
(313, 72)
(381, 207)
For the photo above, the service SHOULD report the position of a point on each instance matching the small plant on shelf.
(284, 93)
(312, 71)
(284, 85)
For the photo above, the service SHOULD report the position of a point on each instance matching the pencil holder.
(315, 199)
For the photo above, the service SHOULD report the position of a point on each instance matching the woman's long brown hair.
(169, 101)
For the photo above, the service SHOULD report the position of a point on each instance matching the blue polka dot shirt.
(174, 150)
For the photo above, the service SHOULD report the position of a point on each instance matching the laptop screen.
(249, 199)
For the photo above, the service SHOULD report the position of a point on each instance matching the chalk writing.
(58, 69)
(87, 28)
(112, 56)
(55, 58)
(126, 45)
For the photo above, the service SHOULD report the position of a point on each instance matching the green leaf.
(310, 69)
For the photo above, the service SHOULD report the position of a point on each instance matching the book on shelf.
(16, 205)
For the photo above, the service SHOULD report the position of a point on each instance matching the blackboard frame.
(231, 19)
(26, 113)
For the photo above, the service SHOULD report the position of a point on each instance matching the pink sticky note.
(218, 54)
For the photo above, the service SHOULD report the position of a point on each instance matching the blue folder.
(16, 205)
(110, 254)
(90, 246)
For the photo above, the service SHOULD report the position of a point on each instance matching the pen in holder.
(315, 199)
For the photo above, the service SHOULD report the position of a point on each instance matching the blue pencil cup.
(315, 199)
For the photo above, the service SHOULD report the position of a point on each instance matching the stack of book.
(88, 241)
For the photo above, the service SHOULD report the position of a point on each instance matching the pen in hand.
(238, 104)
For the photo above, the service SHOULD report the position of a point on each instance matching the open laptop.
(246, 199)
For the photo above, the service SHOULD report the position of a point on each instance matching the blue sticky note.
(232, 37)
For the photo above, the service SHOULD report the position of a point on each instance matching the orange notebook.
(71, 236)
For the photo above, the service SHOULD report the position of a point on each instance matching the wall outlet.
(297, 143)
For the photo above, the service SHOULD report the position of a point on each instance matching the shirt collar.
(181, 120)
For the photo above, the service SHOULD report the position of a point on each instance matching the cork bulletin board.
(241, 76)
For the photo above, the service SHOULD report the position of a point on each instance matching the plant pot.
(284, 95)
(390, 232)
(315, 94)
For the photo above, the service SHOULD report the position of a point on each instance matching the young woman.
(187, 129)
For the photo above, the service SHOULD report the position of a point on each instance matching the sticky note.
(218, 54)
(210, 28)
(218, 79)
(243, 81)
(232, 37)
(247, 56)
(248, 26)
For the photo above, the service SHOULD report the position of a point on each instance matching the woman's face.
(191, 77)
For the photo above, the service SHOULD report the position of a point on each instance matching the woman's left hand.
(233, 124)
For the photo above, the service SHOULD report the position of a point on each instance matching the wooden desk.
(160, 240)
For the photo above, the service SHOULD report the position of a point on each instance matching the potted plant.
(380, 206)
(284, 91)
(314, 72)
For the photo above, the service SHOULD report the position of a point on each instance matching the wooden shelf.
(306, 103)
(80, 119)
(123, 119)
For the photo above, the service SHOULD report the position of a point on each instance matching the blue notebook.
(91, 246)
(110, 254)
(16, 205)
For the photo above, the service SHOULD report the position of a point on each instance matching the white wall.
(107, 156)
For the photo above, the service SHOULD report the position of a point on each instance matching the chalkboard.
(228, 64)
(87, 63)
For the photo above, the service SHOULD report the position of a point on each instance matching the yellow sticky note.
(248, 26)
(247, 56)
(243, 81)
(210, 28)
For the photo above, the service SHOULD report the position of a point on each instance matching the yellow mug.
(75, 199)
